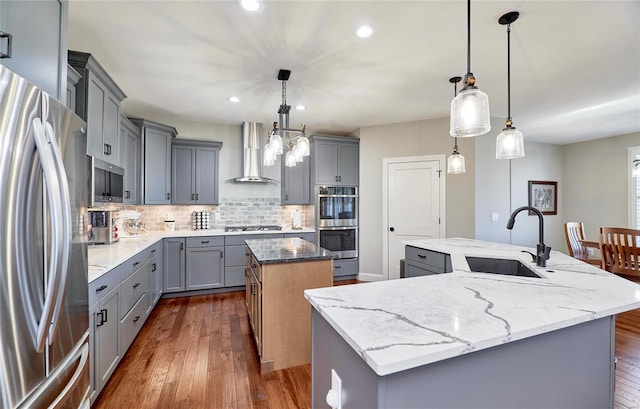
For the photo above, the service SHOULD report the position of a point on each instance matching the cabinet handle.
(153, 251)
(222, 254)
(336, 267)
(181, 246)
(205, 241)
(103, 317)
(101, 288)
(127, 194)
(286, 197)
(422, 256)
(106, 149)
(339, 178)
(136, 285)
(254, 265)
(153, 267)
(193, 196)
(336, 178)
(100, 322)
(136, 263)
(9, 38)
(136, 318)
(197, 196)
(168, 196)
(253, 288)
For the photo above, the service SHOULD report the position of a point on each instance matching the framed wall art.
(543, 195)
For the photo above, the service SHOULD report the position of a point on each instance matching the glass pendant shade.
(268, 156)
(455, 164)
(303, 142)
(635, 172)
(470, 114)
(509, 144)
(276, 143)
(296, 153)
(290, 159)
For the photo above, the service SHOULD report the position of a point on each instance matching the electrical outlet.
(334, 396)
(494, 217)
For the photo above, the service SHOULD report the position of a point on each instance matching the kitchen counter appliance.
(337, 220)
(44, 194)
(102, 227)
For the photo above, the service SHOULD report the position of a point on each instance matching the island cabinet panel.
(174, 265)
(422, 262)
(568, 368)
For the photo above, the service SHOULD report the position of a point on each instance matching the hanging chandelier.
(455, 162)
(281, 135)
(510, 142)
(470, 108)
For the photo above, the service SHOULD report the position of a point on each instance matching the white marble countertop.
(402, 324)
(105, 257)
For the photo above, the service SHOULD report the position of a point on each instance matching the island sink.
(500, 266)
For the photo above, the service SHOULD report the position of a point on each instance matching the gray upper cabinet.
(72, 81)
(38, 42)
(98, 100)
(295, 183)
(130, 152)
(156, 160)
(194, 174)
(335, 160)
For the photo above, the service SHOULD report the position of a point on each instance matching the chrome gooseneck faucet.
(542, 250)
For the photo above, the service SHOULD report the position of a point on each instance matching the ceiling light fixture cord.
(509, 74)
(468, 37)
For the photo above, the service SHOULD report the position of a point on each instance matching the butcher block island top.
(401, 324)
(278, 272)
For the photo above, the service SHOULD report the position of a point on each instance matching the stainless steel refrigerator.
(44, 319)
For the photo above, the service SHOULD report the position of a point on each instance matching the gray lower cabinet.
(235, 256)
(421, 262)
(174, 265)
(156, 160)
(38, 42)
(98, 100)
(105, 337)
(295, 184)
(130, 142)
(335, 160)
(345, 268)
(194, 172)
(204, 263)
(156, 273)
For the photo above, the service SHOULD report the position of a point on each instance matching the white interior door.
(414, 198)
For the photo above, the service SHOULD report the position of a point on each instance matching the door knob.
(391, 229)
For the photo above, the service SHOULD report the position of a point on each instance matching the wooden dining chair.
(574, 232)
(620, 249)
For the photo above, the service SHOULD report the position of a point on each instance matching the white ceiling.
(575, 64)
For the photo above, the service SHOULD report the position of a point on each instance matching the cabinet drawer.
(234, 276)
(208, 241)
(235, 255)
(421, 256)
(345, 267)
(132, 322)
(155, 250)
(132, 288)
(235, 240)
(412, 269)
(104, 284)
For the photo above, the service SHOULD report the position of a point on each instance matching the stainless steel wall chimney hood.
(251, 157)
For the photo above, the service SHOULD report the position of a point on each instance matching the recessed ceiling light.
(364, 31)
(250, 5)
(233, 99)
(301, 107)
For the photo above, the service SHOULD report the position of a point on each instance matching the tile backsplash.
(229, 212)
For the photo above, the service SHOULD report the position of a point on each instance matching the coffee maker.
(102, 227)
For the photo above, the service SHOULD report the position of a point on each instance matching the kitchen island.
(278, 271)
(468, 339)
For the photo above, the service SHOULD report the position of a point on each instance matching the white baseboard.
(369, 277)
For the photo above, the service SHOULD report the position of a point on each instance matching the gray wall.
(596, 182)
(502, 186)
(429, 137)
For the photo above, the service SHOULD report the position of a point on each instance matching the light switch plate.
(336, 386)
(494, 217)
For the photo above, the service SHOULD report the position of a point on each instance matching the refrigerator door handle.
(75, 379)
(55, 203)
(65, 253)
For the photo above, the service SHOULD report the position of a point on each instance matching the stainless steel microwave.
(107, 182)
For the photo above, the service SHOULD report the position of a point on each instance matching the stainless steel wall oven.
(337, 220)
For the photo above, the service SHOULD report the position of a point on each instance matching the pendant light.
(635, 172)
(470, 108)
(455, 163)
(509, 143)
(298, 145)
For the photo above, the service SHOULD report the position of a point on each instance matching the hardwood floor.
(198, 352)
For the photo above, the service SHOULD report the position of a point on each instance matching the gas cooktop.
(251, 228)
